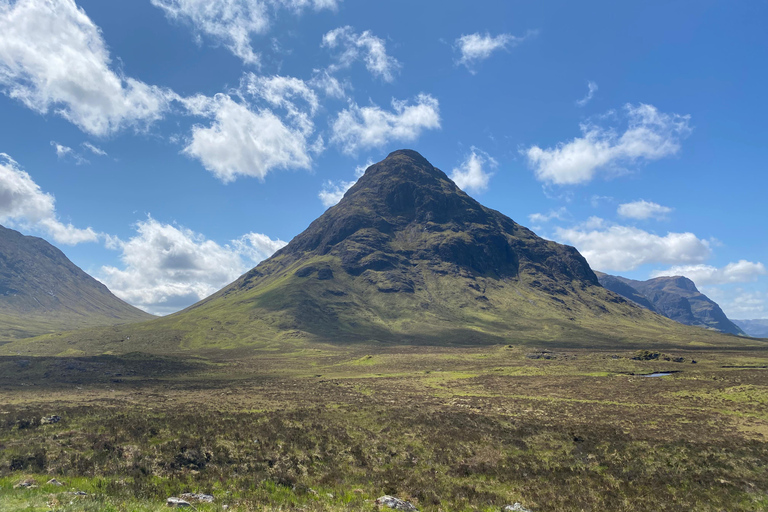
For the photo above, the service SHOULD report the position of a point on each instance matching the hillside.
(674, 297)
(41, 291)
(405, 257)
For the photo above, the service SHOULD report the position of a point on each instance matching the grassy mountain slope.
(406, 257)
(41, 291)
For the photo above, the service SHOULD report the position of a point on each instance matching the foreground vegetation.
(327, 428)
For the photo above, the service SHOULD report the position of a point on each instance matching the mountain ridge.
(675, 297)
(42, 291)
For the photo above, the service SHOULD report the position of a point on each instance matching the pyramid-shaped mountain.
(42, 291)
(406, 256)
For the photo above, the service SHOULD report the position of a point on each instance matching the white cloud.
(558, 214)
(476, 47)
(367, 127)
(622, 248)
(243, 142)
(94, 149)
(650, 135)
(592, 86)
(65, 151)
(233, 22)
(366, 47)
(643, 210)
(23, 204)
(471, 175)
(168, 267)
(742, 271)
(329, 84)
(52, 56)
(333, 191)
(739, 303)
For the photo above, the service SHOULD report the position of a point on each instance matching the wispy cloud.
(592, 86)
(477, 47)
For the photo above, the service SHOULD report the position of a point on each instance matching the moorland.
(331, 427)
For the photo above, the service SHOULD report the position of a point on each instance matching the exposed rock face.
(42, 291)
(674, 297)
(407, 256)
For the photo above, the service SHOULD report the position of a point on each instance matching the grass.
(333, 428)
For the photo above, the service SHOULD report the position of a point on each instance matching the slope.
(41, 291)
(674, 297)
(405, 257)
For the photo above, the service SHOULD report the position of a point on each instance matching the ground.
(324, 427)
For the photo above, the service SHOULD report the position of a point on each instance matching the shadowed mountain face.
(755, 328)
(674, 297)
(41, 291)
(406, 256)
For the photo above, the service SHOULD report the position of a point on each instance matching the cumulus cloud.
(592, 86)
(366, 47)
(24, 205)
(643, 210)
(740, 303)
(742, 271)
(167, 267)
(475, 47)
(371, 126)
(622, 248)
(232, 23)
(53, 57)
(331, 86)
(650, 135)
(333, 191)
(473, 173)
(244, 142)
(538, 218)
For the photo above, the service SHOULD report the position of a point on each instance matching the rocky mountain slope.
(41, 291)
(405, 257)
(674, 297)
(755, 328)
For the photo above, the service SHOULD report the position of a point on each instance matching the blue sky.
(166, 146)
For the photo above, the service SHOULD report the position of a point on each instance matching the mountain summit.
(41, 291)
(406, 256)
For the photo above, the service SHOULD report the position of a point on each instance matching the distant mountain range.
(41, 291)
(754, 328)
(674, 297)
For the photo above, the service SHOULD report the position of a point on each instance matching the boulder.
(46, 420)
(396, 503)
(29, 483)
(177, 502)
(200, 498)
(53, 481)
(517, 507)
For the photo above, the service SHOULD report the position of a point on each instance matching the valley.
(330, 427)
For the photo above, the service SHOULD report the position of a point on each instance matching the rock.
(53, 481)
(517, 507)
(200, 498)
(29, 483)
(177, 502)
(46, 420)
(396, 503)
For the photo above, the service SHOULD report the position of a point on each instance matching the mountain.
(754, 328)
(41, 291)
(405, 257)
(674, 297)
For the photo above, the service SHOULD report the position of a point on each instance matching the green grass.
(463, 429)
